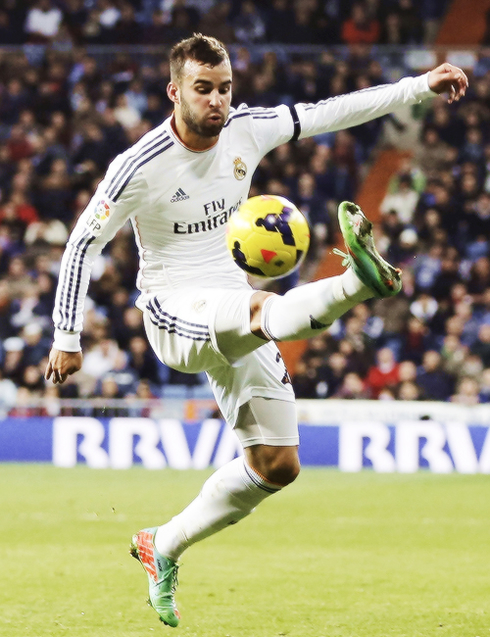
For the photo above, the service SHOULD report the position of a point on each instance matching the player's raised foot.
(162, 575)
(381, 277)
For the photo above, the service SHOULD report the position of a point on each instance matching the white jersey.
(178, 200)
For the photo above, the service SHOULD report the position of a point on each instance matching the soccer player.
(178, 185)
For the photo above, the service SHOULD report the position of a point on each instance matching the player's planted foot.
(162, 575)
(368, 265)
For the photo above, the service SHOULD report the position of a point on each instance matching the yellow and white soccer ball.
(268, 236)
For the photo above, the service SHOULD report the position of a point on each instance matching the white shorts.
(208, 329)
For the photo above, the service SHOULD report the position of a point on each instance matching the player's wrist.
(66, 341)
(424, 85)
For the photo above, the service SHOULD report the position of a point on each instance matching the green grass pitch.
(334, 555)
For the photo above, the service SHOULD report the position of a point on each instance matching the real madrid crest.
(240, 169)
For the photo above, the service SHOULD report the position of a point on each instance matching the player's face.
(203, 99)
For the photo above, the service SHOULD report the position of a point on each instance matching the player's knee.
(284, 471)
(279, 465)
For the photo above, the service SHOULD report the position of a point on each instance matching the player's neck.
(191, 140)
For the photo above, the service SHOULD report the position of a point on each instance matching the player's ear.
(173, 92)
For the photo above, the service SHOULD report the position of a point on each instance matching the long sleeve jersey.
(178, 200)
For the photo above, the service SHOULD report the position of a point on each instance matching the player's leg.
(305, 310)
(235, 489)
(228, 496)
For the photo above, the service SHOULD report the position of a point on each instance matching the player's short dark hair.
(202, 48)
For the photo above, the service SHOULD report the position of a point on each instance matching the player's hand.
(62, 364)
(448, 79)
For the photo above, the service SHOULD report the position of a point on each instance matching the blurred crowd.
(432, 341)
(63, 118)
(155, 22)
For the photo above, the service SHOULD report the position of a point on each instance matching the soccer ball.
(268, 236)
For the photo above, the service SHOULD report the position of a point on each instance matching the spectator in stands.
(360, 27)
(108, 13)
(431, 377)
(143, 361)
(15, 99)
(155, 32)
(411, 22)
(249, 26)
(43, 22)
(479, 279)
(403, 200)
(472, 367)
(127, 29)
(155, 111)
(75, 17)
(17, 214)
(453, 353)
(403, 249)
(279, 20)
(306, 27)
(314, 206)
(409, 390)
(362, 345)
(407, 372)
(217, 23)
(448, 275)
(101, 359)
(18, 277)
(384, 374)
(414, 341)
(180, 26)
(305, 380)
(372, 325)
(352, 388)
(109, 391)
(481, 347)
(424, 307)
(467, 392)
(33, 380)
(13, 363)
(136, 95)
(433, 153)
(332, 372)
(36, 344)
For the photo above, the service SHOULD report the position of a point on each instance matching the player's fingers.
(57, 376)
(48, 372)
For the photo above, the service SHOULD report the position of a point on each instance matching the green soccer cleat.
(368, 265)
(162, 575)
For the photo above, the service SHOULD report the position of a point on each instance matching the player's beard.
(204, 129)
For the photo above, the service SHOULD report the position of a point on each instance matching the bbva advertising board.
(350, 445)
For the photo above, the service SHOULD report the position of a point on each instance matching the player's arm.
(96, 226)
(274, 126)
(358, 107)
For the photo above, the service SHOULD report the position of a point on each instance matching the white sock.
(229, 495)
(304, 311)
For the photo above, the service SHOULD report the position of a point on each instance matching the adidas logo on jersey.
(179, 196)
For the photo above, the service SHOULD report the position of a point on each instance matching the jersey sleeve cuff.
(423, 88)
(66, 341)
